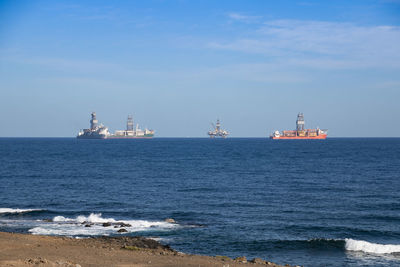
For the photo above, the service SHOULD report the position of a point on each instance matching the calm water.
(315, 203)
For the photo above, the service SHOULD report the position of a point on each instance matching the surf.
(368, 247)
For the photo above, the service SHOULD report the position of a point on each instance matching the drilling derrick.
(218, 126)
(300, 122)
(129, 123)
(93, 121)
(217, 132)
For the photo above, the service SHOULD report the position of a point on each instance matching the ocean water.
(333, 202)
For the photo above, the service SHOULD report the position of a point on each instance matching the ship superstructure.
(99, 131)
(217, 132)
(300, 132)
(132, 132)
(96, 130)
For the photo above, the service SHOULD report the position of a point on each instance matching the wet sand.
(34, 250)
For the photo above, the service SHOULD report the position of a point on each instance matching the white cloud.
(319, 42)
(243, 18)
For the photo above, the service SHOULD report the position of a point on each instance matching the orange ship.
(300, 132)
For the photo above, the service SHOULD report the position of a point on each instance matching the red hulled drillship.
(300, 132)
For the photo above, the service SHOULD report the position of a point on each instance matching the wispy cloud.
(60, 63)
(318, 42)
(243, 18)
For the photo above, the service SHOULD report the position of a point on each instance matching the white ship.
(96, 131)
(99, 131)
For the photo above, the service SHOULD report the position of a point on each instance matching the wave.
(368, 247)
(92, 225)
(97, 219)
(324, 244)
(10, 210)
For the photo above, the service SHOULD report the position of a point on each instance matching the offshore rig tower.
(300, 122)
(217, 132)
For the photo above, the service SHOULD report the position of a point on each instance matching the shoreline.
(38, 250)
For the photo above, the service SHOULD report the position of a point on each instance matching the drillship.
(99, 131)
(300, 132)
(96, 131)
(132, 133)
(217, 132)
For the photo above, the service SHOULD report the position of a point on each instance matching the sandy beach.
(35, 250)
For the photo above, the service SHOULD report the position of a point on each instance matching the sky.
(177, 66)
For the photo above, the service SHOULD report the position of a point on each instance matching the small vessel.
(99, 131)
(217, 132)
(300, 132)
(96, 130)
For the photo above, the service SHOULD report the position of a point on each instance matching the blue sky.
(179, 65)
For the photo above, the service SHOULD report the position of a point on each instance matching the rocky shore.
(34, 250)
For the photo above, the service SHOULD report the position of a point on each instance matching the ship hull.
(322, 136)
(146, 136)
(91, 137)
(129, 137)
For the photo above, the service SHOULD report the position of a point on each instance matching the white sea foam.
(76, 226)
(97, 219)
(360, 245)
(70, 230)
(9, 210)
(62, 219)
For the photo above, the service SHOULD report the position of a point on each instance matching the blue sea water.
(333, 202)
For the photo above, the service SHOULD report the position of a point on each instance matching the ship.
(217, 132)
(131, 132)
(96, 130)
(300, 132)
(99, 131)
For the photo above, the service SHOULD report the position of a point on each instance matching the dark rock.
(48, 220)
(223, 258)
(87, 225)
(258, 261)
(241, 259)
(36, 261)
(122, 230)
(122, 224)
(106, 224)
(138, 241)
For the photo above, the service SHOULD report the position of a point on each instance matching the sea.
(333, 202)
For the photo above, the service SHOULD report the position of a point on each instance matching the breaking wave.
(10, 210)
(92, 225)
(368, 247)
(97, 219)
(326, 244)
